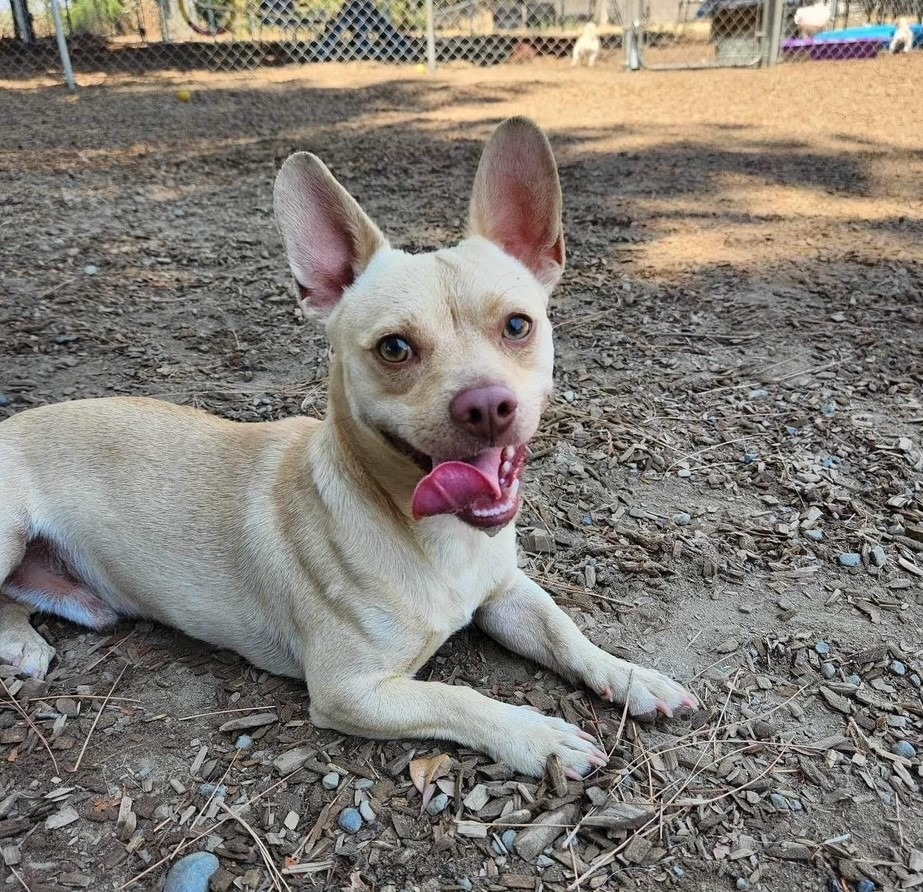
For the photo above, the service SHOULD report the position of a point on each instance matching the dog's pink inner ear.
(324, 261)
(516, 201)
(328, 238)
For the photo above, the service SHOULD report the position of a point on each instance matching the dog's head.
(446, 356)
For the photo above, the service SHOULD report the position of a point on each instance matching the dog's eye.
(394, 349)
(517, 327)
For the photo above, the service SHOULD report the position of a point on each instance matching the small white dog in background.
(903, 36)
(587, 46)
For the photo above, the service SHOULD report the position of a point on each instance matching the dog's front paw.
(647, 691)
(25, 649)
(531, 737)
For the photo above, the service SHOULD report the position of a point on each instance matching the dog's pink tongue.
(453, 485)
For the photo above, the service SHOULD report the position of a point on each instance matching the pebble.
(879, 556)
(209, 790)
(543, 862)
(822, 648)
(678, 872)
(91, 269)
(850, 559)
(684, 473)
(916, 681)
(828, 670)
(829, 409)
(466, 884)
(904, 749)
(330, 781)
(508, 839)
(350, 820)
(437, 804)
(244, 742)
(367, 812)
(4, 400)
(778, 801)
(682, 519)
(192, 873)
(854, 680)
(865, 886)
(759, 394)
(743, 884)
(815, 535)
(898, 668)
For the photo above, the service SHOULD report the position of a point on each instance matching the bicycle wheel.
(209, 17)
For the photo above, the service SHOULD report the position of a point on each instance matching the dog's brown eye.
(517, 327)
(394, 349)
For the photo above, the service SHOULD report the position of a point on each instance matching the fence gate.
(701, 33)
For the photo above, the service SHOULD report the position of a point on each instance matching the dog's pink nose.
(485, 412)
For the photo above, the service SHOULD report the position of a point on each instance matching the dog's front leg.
(525, 619)
(20, 645)
(400, 706)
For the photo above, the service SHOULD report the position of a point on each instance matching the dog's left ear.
(516, 202)
(328, 238)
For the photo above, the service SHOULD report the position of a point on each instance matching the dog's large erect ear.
(328, 238)
(516, 202)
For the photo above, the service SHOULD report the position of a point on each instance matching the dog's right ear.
(328, 238)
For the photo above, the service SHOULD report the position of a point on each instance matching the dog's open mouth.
(483, 491)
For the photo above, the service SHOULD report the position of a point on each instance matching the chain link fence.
(138, 36)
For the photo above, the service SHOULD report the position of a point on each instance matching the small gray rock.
(244, 742)
(684, 473)
(815, 535)
(778, 801)
(865, 886)
(91, 269)
(213, 790)
(437, 804)
(916, 681)
(682, 519)
(850, 559)
(854, 680)
(367, 812)
(543, 862)
(350, 820)
(759, 394)
(538, 542)
(4, 400)
(465, 884)
(828, 670)
(192, 873)
(822, 648)
(898, 668)
(904, 749)
(743, 884)
(879, 556)
(330, 781)
(508, 839)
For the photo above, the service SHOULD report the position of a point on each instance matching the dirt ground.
(738, 417)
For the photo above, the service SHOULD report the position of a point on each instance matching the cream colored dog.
(343, 551)
(903, 36)
(586, 47)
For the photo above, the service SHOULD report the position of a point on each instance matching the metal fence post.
(430, 38)
(62, 45)
(773, 10)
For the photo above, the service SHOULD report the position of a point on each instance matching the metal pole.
(775, 12)
(22, 21)
(430, 38)
(62, 46)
